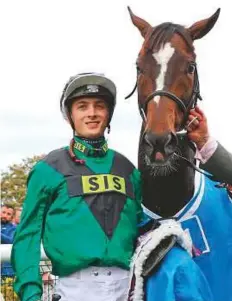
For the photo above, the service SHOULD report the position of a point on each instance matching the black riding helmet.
(88, 84)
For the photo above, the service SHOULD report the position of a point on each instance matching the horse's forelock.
(163, 33)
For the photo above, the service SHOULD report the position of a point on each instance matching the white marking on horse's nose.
(162, 58)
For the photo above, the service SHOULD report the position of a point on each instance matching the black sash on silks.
(102, 192)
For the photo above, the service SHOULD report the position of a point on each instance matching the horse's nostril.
(173, 139)
(170, 145)
(148, 139)
(160, 146)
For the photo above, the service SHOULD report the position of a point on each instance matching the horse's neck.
(166, 195)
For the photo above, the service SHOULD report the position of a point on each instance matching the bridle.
(184, 108)
(184, 105)
(191, 103)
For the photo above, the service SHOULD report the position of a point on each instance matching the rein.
(192, 165)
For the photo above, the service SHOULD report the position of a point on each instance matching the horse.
(168, 88)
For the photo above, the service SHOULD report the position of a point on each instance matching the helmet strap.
(71, 122)
(108, 129)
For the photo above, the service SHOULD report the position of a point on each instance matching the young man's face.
(7, 214)
(90, 116)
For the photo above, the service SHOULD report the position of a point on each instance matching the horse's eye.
(191, 68)
(138, 68)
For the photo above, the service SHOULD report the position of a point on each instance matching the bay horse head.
(168, 87)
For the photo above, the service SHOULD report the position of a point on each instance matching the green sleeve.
(138, 194)
(25, 256)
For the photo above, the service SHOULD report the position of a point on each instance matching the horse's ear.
(141, 24)
(201, 28)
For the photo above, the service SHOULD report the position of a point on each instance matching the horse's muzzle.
(159, 147)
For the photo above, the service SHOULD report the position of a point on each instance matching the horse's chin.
(166, 167)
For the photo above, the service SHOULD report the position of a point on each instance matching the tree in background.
(14, 180)
(13, 183)
(7, 291)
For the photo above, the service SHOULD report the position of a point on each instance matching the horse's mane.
(164, 32)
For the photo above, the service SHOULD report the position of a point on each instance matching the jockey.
(84, 203)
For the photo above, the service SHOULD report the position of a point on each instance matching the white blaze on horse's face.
(162, 58)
